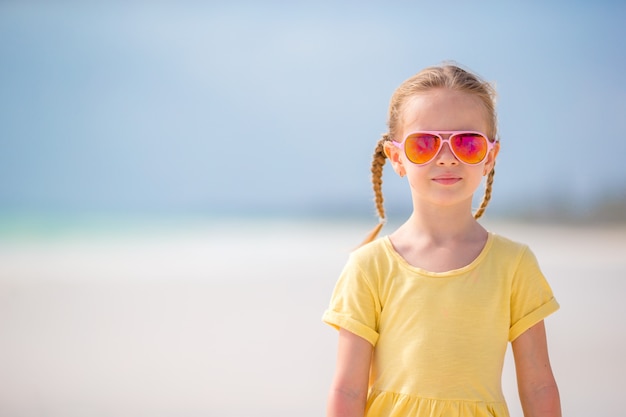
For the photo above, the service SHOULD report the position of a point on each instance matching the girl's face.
(445, 180)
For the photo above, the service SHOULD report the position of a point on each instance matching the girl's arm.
(348, 392)
(538, 391)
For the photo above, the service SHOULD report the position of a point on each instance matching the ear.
(491, 158)
(395, 158)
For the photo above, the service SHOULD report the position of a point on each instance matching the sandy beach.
(224, 319)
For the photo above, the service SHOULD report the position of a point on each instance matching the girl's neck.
(440, 241)
(443, 224)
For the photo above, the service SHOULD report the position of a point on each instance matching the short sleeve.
(354, 304)
(532, 299)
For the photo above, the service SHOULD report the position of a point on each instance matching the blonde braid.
(378, 162)
(487, 195)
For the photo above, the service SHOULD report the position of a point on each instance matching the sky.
(275, 107)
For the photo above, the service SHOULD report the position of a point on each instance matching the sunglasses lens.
(421, 147)
(471, 148)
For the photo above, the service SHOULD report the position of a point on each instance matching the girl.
(425, 314)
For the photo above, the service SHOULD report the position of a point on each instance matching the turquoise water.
(24, 226)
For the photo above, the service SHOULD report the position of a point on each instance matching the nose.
(446, 157)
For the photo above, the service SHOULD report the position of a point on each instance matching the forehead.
(444, 109)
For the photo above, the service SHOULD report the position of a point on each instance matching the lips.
(446, 179)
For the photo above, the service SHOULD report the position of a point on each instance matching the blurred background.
(263, 108)
(181, 182)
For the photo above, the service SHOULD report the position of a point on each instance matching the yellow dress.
(439, 338)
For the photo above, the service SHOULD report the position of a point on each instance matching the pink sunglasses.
(468, 147)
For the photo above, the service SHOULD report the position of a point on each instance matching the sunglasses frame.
(451, 133)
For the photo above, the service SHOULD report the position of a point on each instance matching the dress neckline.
(453, 272)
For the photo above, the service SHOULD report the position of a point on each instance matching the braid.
(487, 196)
(378, 162)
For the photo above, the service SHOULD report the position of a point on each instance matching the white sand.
(225, 321)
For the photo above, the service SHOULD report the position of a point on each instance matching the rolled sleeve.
(354, 305)
(532, 299)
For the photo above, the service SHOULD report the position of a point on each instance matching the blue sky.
(264, 107)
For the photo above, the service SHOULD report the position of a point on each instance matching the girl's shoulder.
(377, 253)
(379, 247)
(502, 243)
(517, 255)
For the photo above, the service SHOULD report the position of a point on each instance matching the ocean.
(223, 317)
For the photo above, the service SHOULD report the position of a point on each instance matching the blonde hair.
(445, 76)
